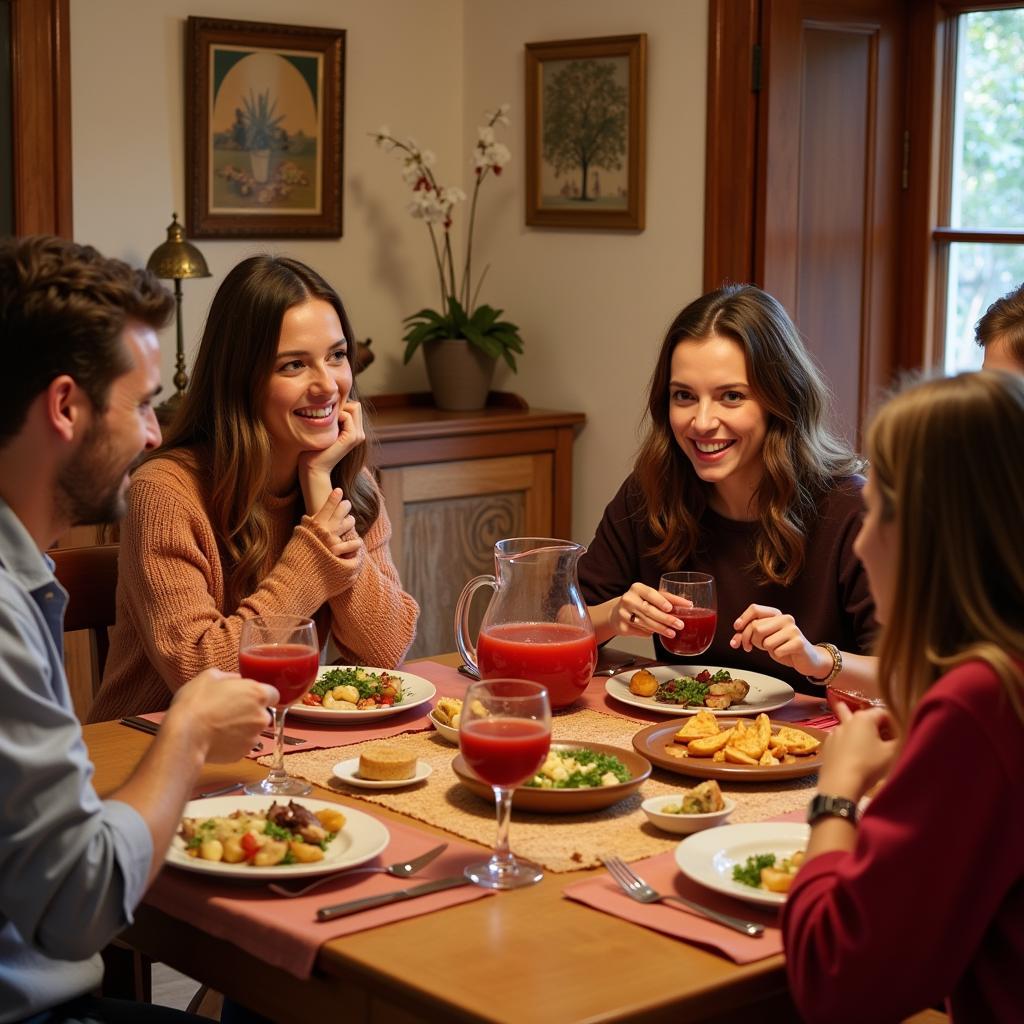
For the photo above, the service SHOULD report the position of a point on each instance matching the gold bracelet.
(837, 664)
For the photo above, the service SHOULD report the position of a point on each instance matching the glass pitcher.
(536, 626)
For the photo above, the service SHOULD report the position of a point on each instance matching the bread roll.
(386, 762)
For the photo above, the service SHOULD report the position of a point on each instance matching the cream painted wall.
(592, 305)
(128, 149)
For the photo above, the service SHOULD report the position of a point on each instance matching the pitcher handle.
(462, 640)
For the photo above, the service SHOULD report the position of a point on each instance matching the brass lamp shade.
(177, 259)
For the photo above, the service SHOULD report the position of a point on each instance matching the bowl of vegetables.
(577, 776)
(704, 806)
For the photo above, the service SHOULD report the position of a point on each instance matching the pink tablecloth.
(285, 932)
(316, 737)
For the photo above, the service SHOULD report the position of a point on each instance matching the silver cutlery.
(145, 725)
(401, 869)
(223, 791)
(634, 886)
(355, 906)
(614, 670)
(468, 670)
(270, 734)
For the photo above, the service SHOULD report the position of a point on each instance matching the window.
(983, 244)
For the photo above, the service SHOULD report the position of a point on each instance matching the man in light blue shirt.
(80, 371)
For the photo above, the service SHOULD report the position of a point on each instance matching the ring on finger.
(632, 617)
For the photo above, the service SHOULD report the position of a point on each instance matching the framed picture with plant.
(586, 132)
(263, 145)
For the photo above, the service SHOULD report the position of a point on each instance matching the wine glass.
(280, 650)
(699, 619)
(504, 736)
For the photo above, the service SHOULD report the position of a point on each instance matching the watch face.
(834, 806)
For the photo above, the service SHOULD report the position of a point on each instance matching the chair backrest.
(89, 575)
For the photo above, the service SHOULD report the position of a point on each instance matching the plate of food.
(445, 718)
(709, 747)
(355, 693)
(256, 837)
(755, 862)
(687, 689)
(382, 766)
(575, 777)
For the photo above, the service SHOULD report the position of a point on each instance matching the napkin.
(602, 893)
(446, 680)
(284, 932)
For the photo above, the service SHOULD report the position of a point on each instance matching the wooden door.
(813, 128)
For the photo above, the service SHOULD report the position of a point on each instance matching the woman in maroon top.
(925, 899)
(739, 477)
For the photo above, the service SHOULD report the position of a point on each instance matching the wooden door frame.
(41, 117)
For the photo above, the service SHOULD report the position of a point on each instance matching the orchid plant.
(434, 204)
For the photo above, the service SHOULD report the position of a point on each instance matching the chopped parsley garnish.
(750, 873)
(590, 766)
(685, 691)
(276, 832)
(369, 684)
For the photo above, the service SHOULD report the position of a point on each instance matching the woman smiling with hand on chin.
(739, 477)
(258, 503)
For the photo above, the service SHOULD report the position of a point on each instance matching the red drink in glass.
(560, 657)
(505, 751)
(697, 633)
(290, 668)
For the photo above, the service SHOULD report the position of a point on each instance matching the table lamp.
(176, 259)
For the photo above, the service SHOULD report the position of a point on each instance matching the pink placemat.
(602, 893)
(284, 932)
(321, 737)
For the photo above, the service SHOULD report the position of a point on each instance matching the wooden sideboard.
(456, 482)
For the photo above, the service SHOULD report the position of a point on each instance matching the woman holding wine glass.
(738, 479)
(258, 503)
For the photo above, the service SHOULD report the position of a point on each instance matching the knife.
(145, 725)
(270, 734)
(369, 902)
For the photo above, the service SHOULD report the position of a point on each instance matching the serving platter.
(657, 745)
(565, 801)
(416, 691)
(360, 840)
(708, 857)
(766, 692)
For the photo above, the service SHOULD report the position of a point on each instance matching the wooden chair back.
(89, 575)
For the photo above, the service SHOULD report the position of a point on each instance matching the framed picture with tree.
(263, 142)
(586, 132)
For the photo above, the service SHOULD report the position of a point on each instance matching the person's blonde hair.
(945, 460)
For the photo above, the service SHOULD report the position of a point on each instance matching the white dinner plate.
(708, 857)
(766, 692)
(360, 840)
(346, 771)
(416, 690)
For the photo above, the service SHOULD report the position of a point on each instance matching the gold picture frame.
(579, 175)
(263, 144)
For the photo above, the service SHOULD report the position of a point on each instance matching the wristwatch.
(822, 806)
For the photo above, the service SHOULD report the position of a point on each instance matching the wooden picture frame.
(586, 182)
(263, 141)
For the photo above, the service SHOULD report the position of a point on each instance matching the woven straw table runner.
(558, 842)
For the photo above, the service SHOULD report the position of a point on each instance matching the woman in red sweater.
(924, 899)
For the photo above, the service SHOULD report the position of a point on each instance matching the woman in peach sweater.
(258, 503)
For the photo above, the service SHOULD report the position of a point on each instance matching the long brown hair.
(945, 464)
(802, 458)
(218, 430)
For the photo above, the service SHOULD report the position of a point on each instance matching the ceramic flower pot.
(460, 374)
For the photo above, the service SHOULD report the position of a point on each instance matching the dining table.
(529, 955)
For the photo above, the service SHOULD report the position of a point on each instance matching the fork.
(401, 869)
(633, 885)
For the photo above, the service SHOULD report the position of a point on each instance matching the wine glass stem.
(277, 772)
(502, 856)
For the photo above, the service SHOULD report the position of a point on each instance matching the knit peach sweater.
(171, 618)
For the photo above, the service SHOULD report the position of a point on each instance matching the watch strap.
(822, 806)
